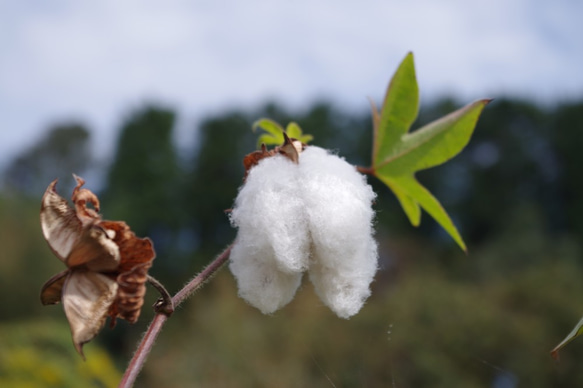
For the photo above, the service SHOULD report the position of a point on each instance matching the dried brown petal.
(130, 295)
(290, 148)
(51, 292)
(82, 197)
(60, 225)
(72, 235)
(87, 296)
(136, 255)
(108, 264)
(252, 159)
(133, 250)
(96, 250)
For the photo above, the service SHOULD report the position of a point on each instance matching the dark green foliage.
(25, 260)
(567, 131)
(510, 160)
(223, 141)
(144, 182)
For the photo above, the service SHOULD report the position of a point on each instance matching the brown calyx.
(136, 256)
(290, 148)
(130, 293)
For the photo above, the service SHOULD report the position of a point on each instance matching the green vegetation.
(454, 320)
(397, 155)
(274, 135)
(38, 353)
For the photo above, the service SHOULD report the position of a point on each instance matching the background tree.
(567, 137)
(143, 183)
(64, 150)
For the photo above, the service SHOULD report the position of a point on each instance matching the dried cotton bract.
(314, 215)
(107, 265)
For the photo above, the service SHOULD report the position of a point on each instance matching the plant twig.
(139, 358)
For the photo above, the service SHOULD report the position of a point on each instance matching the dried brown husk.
(291, 148)
(107, 264)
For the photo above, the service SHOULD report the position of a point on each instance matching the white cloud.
(96, 60)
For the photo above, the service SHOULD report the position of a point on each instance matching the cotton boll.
(313, 215)
(269, 210)
(337, 202)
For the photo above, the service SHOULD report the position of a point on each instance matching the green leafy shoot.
(274, 135)
(398, 154)
(576, 332)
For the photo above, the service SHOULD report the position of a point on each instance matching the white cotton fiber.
(338, 205)
(315, 215)
(273, 235)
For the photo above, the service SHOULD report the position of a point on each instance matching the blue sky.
(95, 61)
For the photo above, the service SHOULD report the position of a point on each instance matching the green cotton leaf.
(399, 109)
(274, 135)
(416, 196)
(409, 205)
(576, 332)
(434, 144)
(294, 131)
(398, 154)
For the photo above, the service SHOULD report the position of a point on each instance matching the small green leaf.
(265, 139)
(399, 109)
(274, 131)
(434, 144)
(398, 154)
(409, 205)
(274, 135)
(294, 131)
(576, 332)
(420, 195)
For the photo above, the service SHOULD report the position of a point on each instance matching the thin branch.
(145, 346)
(143, 350)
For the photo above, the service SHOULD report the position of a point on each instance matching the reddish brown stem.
(365, 170)
(139, 358)
(143, 350)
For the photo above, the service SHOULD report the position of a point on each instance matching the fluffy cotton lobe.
(315, 215)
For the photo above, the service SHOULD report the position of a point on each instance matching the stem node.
(164, 305)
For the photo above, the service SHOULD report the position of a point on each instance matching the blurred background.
(152, 103)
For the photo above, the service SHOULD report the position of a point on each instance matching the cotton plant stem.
(139, 358)
(199, 280)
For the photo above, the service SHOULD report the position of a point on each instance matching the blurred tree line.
(488, 319)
